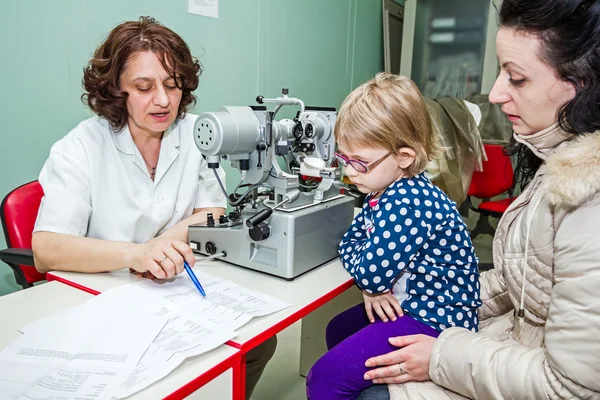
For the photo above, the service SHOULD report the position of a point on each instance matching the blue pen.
(193, 277)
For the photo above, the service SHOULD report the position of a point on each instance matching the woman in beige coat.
(540, 319)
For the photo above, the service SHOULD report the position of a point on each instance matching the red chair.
(495, 179)
(18, 212)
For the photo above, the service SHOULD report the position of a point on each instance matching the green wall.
(319, 49)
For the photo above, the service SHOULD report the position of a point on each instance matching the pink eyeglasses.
(358, 165)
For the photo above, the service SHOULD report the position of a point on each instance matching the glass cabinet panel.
(449, 46)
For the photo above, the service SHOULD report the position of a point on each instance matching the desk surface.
(306, 293)
(25, 306)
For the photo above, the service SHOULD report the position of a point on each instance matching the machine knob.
(223, 219)
(210, 220)
(260, 232)
(210, 248)
(258, 217)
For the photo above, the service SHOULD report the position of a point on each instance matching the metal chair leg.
(483, 227)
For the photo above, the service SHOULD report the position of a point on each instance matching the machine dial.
(260, 232)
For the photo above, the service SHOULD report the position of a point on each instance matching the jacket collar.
(573, 171)
(544, 143)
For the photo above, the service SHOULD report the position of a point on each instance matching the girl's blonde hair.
(388, 112)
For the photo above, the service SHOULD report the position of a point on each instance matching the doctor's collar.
(124, 141)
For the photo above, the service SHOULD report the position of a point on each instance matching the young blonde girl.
(408, 249)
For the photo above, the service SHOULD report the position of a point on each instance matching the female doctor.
(122, 187)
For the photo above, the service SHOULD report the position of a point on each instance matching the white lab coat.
(96, 183)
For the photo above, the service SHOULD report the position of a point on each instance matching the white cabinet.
(448, 47)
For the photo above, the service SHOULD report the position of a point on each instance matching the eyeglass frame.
(345, 161)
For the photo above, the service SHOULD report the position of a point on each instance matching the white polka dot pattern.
(416, 230)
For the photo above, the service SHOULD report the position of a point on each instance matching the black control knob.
(260, 232)
(210, 248)
(258, 217)
(223, 219)
(210, 220)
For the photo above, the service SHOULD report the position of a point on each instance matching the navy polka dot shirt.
(413, 241)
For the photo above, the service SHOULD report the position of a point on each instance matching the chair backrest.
(18, 212)
(497, 175)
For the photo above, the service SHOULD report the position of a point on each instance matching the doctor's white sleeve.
(65, 179)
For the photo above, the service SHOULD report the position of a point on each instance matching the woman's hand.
(410, 363)
(385, 305)
(162, 257)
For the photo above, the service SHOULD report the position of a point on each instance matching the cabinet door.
(393, 25)
(452, 46)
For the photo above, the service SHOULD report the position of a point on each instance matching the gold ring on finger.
(164, 257)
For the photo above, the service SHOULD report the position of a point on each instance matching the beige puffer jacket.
(553, 352)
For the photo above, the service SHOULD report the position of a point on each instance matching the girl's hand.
(385, 305)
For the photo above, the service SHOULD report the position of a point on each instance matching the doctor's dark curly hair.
(101, 75)
(569, 31)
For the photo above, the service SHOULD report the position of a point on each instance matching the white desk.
(306, 293)
(20, 308)
(207, 376)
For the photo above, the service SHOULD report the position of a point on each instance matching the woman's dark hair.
(101, 76)
(569, 31)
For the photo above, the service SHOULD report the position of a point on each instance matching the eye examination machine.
(288, 215)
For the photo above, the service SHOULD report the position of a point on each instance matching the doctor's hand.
(161, 257)
(410, 363)
(385, 305)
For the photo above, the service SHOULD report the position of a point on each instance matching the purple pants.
(351, 340)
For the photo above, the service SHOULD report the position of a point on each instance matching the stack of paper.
(126, 338)
(72, 360)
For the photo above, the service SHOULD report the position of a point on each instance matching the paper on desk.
(218, 291)
(77, 359)
(195, 324)
(215, 313)
(154, 365)
(180, 289)
(247, 301)
(183, 336)
(125, 297)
